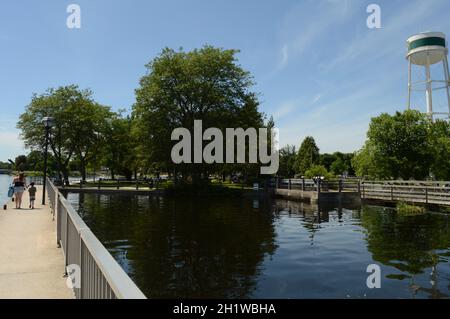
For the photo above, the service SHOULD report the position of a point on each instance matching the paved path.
(31, 267)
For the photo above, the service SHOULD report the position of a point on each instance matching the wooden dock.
(319, 191)
(412, 192)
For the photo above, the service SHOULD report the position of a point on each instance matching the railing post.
(81, 184)
(426, 195)
(340, 186)
(81, 266)
(290, 184)
(318, 185)
(66, 248)
(58, 221)
(118, 184)
(137, 184)
(359, 187)
(392, 193)
(98, 184)
(303, 184)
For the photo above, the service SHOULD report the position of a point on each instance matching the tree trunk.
(66, 176)
(83, 170)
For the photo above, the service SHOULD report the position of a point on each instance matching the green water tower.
(424, 50)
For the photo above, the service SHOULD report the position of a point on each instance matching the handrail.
(100, 274)
(407, 186)
(410, 182)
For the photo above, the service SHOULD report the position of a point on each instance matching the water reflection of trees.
(315, 216)
(185, 247)
(411, 244)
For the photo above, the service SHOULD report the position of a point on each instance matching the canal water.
(224, 247)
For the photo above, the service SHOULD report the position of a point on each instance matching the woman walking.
(19, 187)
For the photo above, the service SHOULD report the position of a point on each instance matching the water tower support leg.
(429, 90)
(447, 82)
(409, 83)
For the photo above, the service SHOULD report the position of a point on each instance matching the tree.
(86, 129)
(77, 119)
(5, 165)
(365, 163)
(20, 163)
(35, 161)
(338, 162)
(318, 170)
(288, 156)
(118, 149)
(338, 167)
(205, 84)
(307, 156)
(397, 146)
(440, 144)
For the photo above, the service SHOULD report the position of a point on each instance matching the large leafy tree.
(118, 148)
(401, 143)
(367, 164)
(77, 121)
(337, 163)
(288, 156)
(307, 156)
(20, 163)
(405, 145)
(440, 143)
(205, 84)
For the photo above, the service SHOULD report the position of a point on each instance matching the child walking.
(32, 193)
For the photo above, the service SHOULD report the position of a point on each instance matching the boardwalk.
(30, 264)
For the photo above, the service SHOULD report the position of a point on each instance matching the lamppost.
(48, 124)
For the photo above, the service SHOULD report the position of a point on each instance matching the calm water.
(250, 248)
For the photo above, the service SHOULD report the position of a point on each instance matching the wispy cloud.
(372, 45)
(284, 57)
(305, 25)
(286, 108)
(340, 122)
(316, 98)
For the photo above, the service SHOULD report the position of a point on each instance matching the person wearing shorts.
(32, 193)
(19, 187)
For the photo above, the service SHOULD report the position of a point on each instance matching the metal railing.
(319, 185)
(99, 275)
(411, 193)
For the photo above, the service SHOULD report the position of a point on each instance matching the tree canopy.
(204, 84)
(405, 145)
(78, 119)
(307, 156)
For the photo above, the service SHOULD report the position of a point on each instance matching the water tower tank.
(424, 50)
(427, 48)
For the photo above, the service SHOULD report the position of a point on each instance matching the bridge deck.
(31, 266)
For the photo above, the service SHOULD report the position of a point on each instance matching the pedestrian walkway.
(31, 265)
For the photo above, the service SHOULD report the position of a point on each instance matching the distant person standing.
(32, 193)
(19, 187)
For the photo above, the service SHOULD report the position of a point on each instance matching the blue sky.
(319, 69)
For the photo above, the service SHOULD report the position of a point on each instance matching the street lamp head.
(48, 122)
